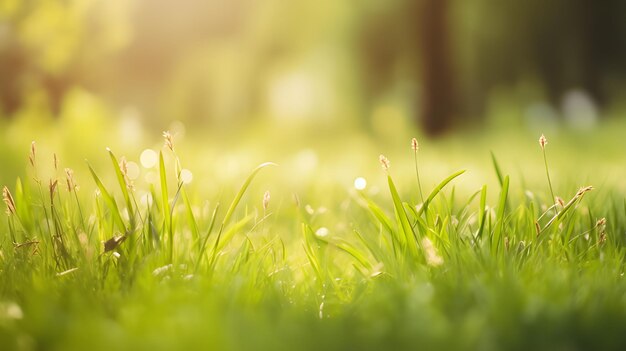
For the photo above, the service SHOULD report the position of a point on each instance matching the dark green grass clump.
(166, 272)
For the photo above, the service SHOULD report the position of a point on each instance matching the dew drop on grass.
(148, 158)
(360, 183)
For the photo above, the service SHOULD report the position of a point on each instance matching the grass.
(156, 266)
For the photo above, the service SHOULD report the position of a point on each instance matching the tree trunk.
(438, 96)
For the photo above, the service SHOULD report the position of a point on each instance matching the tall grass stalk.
(543, 142)
(415, 147)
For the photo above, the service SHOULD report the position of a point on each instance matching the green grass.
(158, 265)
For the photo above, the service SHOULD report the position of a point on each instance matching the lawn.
(275, 240)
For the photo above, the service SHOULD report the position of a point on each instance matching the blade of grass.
(437, 189)
(497, 168)
(109, 200)
(167, 215)
(206, 237)
(378, 214)
(500, 215)
(191, 218)
(242, 191)
(124, 187)
(483, 211)
(310, 253)
(232, 208)
(410, 237)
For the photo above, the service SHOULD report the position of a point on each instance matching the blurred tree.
(561, 44)
(438, 97)
(217, 60)
(47, 47)
(417, 33)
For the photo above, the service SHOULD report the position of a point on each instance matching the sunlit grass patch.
(393, 261)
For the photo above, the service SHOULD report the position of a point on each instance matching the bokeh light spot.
(360, 183)
(148, 158)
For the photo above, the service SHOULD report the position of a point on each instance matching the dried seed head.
(124, 170)
(602, 238)
(537, 228)
(33, 153)
(506, 243)
(384, 161)
(296, 200)
(124, 166)
(69, 178)
(266, 200)
(414, 145)
(560, 201)
(53, 188)
(543, 141)
(56, 161)
(601, 222)
(583, 190)
(168, 140)
(8, 200)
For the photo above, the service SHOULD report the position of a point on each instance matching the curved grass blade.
(110, 201)
(232, 208)
(352, 251)
(378, 213)
(410, 238)
(242, 191)
(191, 218)
(483, 211)
(500, 214)
(497, 168)
(208, 234)
(167, 214)
(122, 182)
(310, 252)
(437, 189)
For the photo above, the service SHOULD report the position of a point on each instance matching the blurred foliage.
(232, 63)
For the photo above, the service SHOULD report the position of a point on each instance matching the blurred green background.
(281, 77)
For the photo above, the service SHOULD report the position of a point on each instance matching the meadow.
(323, 240)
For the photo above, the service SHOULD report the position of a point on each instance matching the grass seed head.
(543, 141)
(33, 153)
(583, 190)
(560, 201)
(124, 166)
(384, 161)
(53, 188)
(56, 161)
(69, 178)
(266, 200)
(537, 228)
(124, 169)
(8, 200)
(414, 145)
(169, 142)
